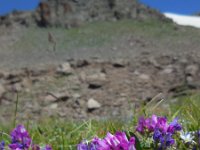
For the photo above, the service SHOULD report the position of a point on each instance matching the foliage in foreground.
(20, 140)
(179, 131)
(155, 133)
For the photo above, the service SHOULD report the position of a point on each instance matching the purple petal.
(2, 145)
(83, 146)
(174, 126)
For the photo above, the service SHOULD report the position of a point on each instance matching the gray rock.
(168, 70)
(55, 97)
(93, 104)
(97, 76)
(53, 106)
(136, 73)
(49, 99)
(27, 82)
(65, 69)
(2, 90)
(144, 77)
(81, 63)
(191, 70)
(2, 74)
(119, 63)
(5, 102)
(189, 80)
(183, 61)
(76, 95)
(154, 62)
(96, 81)
(62, 113)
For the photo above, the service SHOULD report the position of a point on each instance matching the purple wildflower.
(198, 133)
(119, 141)
(162, 124)
(146, 124)
(141, 125)
(112, 141)
(160, 129)
(100, 144)
(152, 123)
(149, 124)
(168, 140)
(157, 135)
(2, 145)
(165, 139)
(124, 142)
(20, 139)
(96, 144)
(83, 146)
(174, 126)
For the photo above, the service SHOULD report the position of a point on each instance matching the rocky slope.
(97, 89)
(111, 67)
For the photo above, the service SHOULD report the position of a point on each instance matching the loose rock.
(191, 70)
(82, 63)
(144, 77)
(96, 81)
(2, 90)
(65, 69)
(93, 104)
(168, 70)
(56, 97)
(120, 63)
(154, 62)
(53, 106)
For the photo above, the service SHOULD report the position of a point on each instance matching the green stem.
(16, 109)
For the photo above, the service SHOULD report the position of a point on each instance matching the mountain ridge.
(71, 13)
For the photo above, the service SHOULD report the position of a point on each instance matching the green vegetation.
(66, 135)
(101, 34)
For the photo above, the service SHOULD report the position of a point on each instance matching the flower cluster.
(20, 140)
(119, 141)
(161, 130)
(154, 133)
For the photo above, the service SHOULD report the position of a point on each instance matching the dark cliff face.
(73, 13)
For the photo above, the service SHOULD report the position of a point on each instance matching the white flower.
(187, 137)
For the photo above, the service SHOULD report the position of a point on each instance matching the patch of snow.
(184, 20)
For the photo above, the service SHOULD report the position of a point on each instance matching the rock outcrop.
(73, 13)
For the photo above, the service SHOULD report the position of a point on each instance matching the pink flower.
(119, 141)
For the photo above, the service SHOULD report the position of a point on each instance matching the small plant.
(20, 140)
